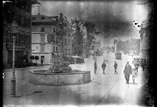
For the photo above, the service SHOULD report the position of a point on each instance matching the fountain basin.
(43, 77)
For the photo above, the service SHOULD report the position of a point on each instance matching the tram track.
(107, 92)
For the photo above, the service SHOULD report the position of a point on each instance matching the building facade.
(67, 42)
(45, 41)
(144, 41)
(19, 10)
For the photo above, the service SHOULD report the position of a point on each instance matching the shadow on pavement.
(132, 83)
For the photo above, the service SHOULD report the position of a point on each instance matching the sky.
(114, 19)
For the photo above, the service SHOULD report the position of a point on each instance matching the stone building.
(146, 32)
(21, 11)
(144, 43)
(145, 35)
(45, 42)
(67, 42)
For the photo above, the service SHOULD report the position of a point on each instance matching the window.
(54, 49)
(42, 38)
(29, 40)
(42, 18)
(19, 22)
(69, 51)
(42, 29)
(7, 36)
(65, 41)
(42, 48)
(25, 39)
(54, 30)
(28, 22)
(17, 38)
(22, 20)
(65, 51)
(25, 21)
(34, 18)
(69, 41)
(22, 38)
(56, 40)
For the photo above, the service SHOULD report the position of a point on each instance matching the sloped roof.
(42, 19)
(35, 2)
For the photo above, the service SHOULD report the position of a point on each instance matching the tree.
(83, 35)
(91, 32)
(77, 37)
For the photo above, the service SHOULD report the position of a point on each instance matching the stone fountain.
(59, 74)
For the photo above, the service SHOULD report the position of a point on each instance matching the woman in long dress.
(134, 74)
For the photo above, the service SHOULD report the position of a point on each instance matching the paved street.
(109, 89)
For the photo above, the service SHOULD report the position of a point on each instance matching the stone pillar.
(115, 47)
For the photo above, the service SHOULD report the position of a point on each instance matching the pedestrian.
(115, 67)
(42, 60)
(136, 65)
(134, 74)
(103, 66)
(127, 72)
(144, 64)
(95, 67)
(24, 60)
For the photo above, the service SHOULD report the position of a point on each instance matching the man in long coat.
(103, 66)
(95, 67)
(127, 72)
(115, 67)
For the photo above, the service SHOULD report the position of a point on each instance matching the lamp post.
(13, 80)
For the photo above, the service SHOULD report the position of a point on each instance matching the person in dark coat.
(115, 67)
(127, 72)
(95, 67)
(103, 66)
(144, 64)
(42, 60)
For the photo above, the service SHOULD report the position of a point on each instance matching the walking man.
(115, 67)
(127, 72)
(42, 60)
(95, 67)
(103, 66)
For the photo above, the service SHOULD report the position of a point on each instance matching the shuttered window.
(42, 29)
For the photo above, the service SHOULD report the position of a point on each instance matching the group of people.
(127, 70)
(103, 66)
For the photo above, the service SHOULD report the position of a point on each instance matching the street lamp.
(13, 80)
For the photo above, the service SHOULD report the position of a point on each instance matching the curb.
(8, 70)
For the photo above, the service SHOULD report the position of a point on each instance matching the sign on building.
(50, 38)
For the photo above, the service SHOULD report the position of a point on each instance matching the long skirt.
(134, 75)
